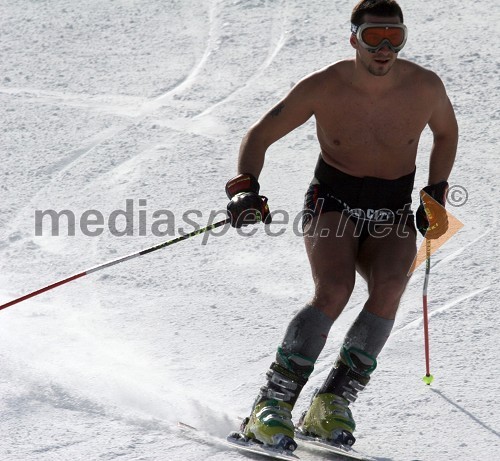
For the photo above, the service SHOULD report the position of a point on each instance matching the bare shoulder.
(336, 72)
(425, 78)
(331, 75)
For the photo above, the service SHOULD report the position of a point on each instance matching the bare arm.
(294, 110)
(445, 130)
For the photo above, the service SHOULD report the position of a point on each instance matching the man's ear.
(353, 41)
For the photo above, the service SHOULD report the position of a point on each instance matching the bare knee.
(332, 297)
(385, 295)
(390, 287)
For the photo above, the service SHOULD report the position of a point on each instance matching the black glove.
(431, 217)
(246, 206)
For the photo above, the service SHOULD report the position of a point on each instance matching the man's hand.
(431, 217)
(246, 206)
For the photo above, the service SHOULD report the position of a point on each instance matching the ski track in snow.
(112, 104)
(105, 367)
(274, 49)
(134, 108)
(138, 112)
(438, 310)
(188, 81)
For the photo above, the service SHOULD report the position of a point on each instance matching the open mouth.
(382, 60)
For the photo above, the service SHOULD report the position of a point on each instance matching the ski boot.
(270, 422)
(329, 417)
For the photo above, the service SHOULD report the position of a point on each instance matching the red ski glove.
(246, 206)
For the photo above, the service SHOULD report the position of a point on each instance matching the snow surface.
(148, 100)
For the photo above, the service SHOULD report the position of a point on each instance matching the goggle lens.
(374, 36)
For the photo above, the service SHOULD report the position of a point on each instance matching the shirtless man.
(370, 112)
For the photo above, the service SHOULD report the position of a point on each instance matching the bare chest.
(349, 120)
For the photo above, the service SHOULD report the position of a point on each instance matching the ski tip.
(186, 426)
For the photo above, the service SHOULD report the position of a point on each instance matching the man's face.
(380, 62)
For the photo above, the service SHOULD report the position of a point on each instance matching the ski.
(340, 452)
(240, 442)
(236, 441)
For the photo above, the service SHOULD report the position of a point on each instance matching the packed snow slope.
(142, 104)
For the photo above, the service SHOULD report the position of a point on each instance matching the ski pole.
(428, 378)
(115, 261)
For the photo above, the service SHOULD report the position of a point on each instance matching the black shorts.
(372, 204)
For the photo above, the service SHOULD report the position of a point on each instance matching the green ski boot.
(329, 417)
(270, 422)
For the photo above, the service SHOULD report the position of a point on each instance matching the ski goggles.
(374, 36)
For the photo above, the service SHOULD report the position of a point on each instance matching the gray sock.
(306, 334)
(369, 333)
